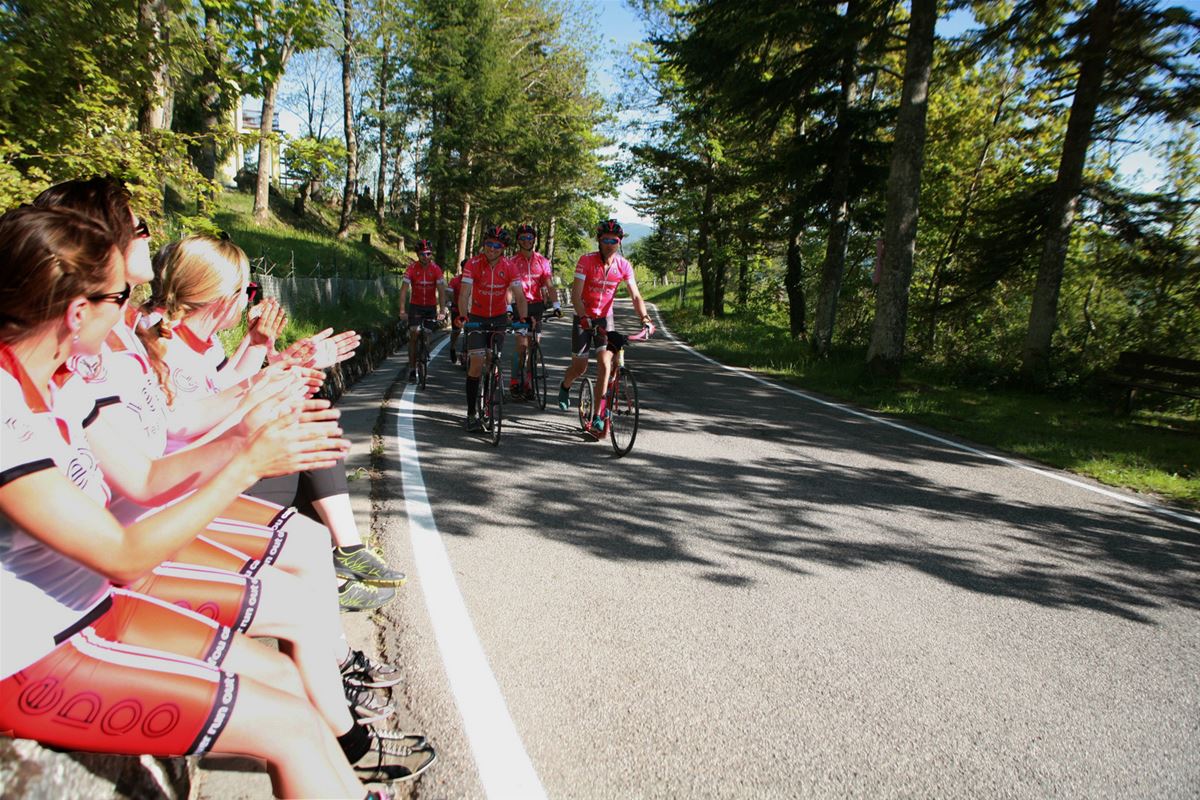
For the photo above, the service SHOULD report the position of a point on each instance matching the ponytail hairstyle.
(189, 275)
(103, 199)
(48, 258)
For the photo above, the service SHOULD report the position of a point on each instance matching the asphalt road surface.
(772, 597)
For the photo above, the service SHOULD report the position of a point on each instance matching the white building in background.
(247, 120)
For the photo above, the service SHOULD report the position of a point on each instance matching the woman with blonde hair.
(82, 665)
(128, 431)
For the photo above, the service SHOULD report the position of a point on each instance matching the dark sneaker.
(564, 399)
(366, 565)
(359, 596)
(367, 706)
(362, 670)
(392, 758)
(474, 424)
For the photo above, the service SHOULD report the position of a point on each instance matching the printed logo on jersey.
(183, 382)
(20, 429)
(90, 368)
(81, 468)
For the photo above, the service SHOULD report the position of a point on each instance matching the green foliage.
(312, 160)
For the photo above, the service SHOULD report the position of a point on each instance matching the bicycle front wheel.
(496, 404)
(422, 362)
(584, 403)
(537, 375)
(623, 413)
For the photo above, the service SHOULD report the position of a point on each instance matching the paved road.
(772, 598)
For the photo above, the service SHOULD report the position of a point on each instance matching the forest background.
(928, 219)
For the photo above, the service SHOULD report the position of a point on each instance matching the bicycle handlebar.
(514, 326)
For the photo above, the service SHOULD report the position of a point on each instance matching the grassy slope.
(1147, 452)
(309, 244)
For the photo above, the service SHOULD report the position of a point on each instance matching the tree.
(903, 195)
(350, 190)
(277, 30)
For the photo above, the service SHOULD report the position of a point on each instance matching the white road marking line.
(1133, 501)
(504, 767)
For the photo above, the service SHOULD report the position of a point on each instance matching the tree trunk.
(350, 190)
(381, 179)
(550, 239)
(903, 195)
(1035, 357)
(416, 203)
(262, 188)
(210, 92)
(154, 112)
(793, 280)
(465, 229)
(834, 265)
(704, 257)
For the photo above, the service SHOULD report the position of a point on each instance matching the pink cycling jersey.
(489, 284)
(424, 280)
(535, 273)
(600, 281)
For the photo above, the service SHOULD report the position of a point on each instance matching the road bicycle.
(533, 365)
(421, 363)
(490, 402)
(619, 406)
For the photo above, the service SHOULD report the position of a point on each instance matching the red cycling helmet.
(424, 246)
(610, 227)
(496, 232)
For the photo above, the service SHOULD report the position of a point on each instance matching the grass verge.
(1153, 452)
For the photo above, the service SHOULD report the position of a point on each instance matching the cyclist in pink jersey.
(100, 681)
(427, 284)
(597, 276)
(537, 284)
(490, 283)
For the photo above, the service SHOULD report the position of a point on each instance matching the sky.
(623, 28)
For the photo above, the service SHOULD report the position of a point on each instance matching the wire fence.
(297, 295)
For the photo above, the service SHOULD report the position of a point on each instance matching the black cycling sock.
(355, 742)
(472, 395)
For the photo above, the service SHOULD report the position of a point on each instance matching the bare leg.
(338, 515)
(604, 360)
(577, 368)
(302, 755)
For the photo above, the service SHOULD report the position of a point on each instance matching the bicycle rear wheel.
(537, 374)
(584, 403)
(496, 405)
(623, 413)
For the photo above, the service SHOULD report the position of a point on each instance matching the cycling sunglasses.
(525, 237)
(493, 245)
(120, 298)
(610, 240)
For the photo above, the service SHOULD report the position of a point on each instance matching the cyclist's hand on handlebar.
(585, 323)
(460, 319)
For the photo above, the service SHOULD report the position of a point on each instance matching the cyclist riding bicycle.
(490, 281)
(597, 276)
(537, 283)
(453, 288)
(424, 279)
